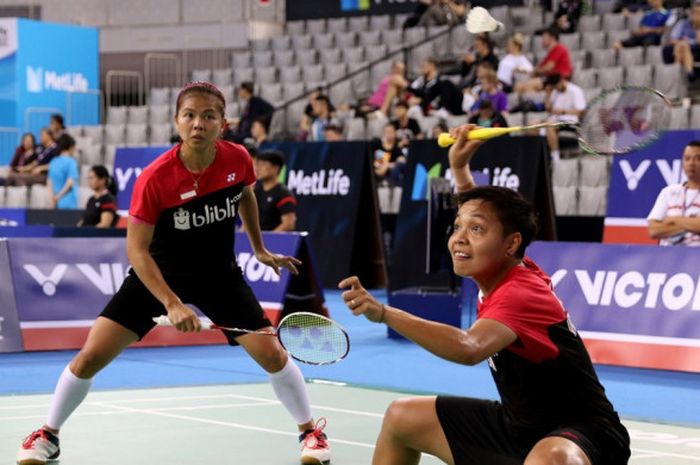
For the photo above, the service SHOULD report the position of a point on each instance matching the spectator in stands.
(258, 131)
(334, 133)
(276, 204)
(626, 6)
(675, 218)
(439, 128)
(683, 46)
(58, 129)
(63, 175)
(434, 94)
(421, 7)
(565, 103)
(390, 87)
(483, 53)
(651, 27)
(566, 17)
(35, 171)
(101, 208)
(389, 158)
(308, 116)
(444, 13)
(557, 61)
(490, 90)
(487, 117)
(407, 128)
(254, 107)
(322, 118)
(514, 63)
(24, 155)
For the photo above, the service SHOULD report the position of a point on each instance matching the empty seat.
(414, 35)
(201, 75)
(241, 60)
(241, 75)
(159, 96)
(346, 39)
(306, 57)
(313, 73)
(358, 23)
(96, 133)
(679, 118)
(653, 56)
(670, 80)
(603, 59)
(222, 77)
(114, 133)
(110, 154)
(259, 45)
(292, 89)
(395, 36)
(229, 94)
(290, 74)
(594, 171)
(631, 56)
(571, 41)
(376, 52)
(266, 75)
(90, 154)
(39, 196)
(640, 75)
(337, 24)
(302, 42)
(588, 24)
(84, 194)
(324, 41)
(16, 196)
(593, 41)
(335, 72)
(565, 172)
(136, 135)
(283, 58)
(159, 114)
(585, 78)
(295, 27)
(314, 26)
(137, 115)
(271, 92)
(161, 133)
(262, 59)
(372, 37)
(592, 201)
(614, 22)
(695, 116)
(281, 43)
(610, 77)
(330, 56)
(354, 55)
(565, 200)
(2, 196)
(379, 23)
(616, 36)
(116, 115)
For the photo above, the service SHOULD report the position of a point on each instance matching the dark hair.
(484, 39)
(28, 134)
(57, 117)
(553, 79)
(485, 104)
(276, 157)
(248, 87)
(515, 213)
(402, 104)
(323, 98)
(102, 173)
(264, 121)
(65, 142)
(200, 87)
(693, 143)
(552, 31)
(47, 130)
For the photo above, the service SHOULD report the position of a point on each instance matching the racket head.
(623, 119)
(313, 339)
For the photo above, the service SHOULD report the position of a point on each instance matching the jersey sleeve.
(660, 209)
(108, 204)
(145, 203)
(287, 203)
(529, 316)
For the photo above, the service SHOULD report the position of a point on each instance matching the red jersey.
(545, 378)
(562, 62)
(194, 213)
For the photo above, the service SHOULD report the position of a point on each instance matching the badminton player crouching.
(553, 409)
(180, 244)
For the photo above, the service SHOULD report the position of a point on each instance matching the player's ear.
(513, 240)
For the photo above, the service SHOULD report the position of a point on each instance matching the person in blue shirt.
(651, 27)
(63, 176)
(683, 46)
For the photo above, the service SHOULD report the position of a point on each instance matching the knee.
(398, 416)
(87, 363)
(556, 454)
(273, 359)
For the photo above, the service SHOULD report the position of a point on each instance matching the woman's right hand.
(183, 318)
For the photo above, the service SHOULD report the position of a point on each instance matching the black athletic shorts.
(225, 298)
(477, 433)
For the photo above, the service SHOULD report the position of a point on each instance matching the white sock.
(555, 155)
(70, 392)
(289, 385)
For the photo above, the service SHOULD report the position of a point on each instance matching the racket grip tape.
(163, 320)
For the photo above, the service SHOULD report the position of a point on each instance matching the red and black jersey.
(545, 378)
(96, 205)
(194, 213)
(273, 204)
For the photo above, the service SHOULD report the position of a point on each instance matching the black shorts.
(477, 433)
(225, 298)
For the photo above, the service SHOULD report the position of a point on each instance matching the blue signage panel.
(128, 164)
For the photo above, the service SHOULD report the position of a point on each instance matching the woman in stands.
(180, 243)
(101, 208)
(24, 155)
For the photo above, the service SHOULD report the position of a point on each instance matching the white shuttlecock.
(479, 20)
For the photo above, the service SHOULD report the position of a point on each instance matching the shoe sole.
(32, 462)
(306, 460)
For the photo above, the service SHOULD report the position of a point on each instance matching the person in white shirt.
(675, 218)
(514, 62)
(565, 103)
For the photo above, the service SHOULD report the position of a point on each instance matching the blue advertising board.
(128, 164)
(10, 336)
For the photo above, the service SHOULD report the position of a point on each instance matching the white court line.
(667, 454)
(647, 456)
(236, 425)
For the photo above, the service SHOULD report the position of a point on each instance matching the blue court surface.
(188, 404)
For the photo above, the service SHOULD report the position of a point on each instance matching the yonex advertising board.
(634, 305)
(37, 80)
(635, 182)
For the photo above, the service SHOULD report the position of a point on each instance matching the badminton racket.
(479, 20)
(307, 337)
(617, 121)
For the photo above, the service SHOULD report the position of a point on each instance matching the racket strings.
(313, 338)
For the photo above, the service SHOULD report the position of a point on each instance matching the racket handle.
(445, 140)
(163, 320)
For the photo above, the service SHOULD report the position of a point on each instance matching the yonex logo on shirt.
(231, 177)
(185, 220)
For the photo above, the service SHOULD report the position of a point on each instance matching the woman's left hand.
(276, 262)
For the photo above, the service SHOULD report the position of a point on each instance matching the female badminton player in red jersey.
(180, 245)
(553, 409)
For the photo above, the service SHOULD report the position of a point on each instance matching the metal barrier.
(36, 118)
(9, 140)
(162, 70)
(123, 88)
(81, 108)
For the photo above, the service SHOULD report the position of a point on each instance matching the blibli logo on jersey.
(184, 220)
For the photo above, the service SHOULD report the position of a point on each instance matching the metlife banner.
(35, 82)
(634, 305)
(313, 9)
(636, 180)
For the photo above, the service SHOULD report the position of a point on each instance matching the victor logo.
(107, 277)
(123, 176)
(184, 219)
(672, 172)
(322, 182)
